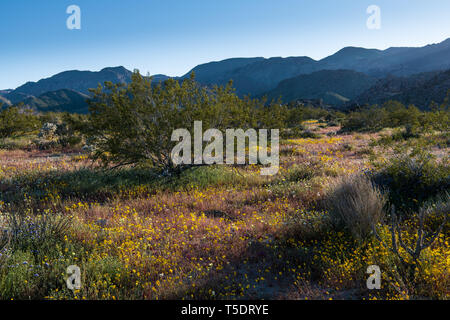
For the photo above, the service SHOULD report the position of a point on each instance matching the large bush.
(15, 121)
(413, 177)
(133, 124)
(393, 114)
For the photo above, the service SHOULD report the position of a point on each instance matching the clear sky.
(172, 36)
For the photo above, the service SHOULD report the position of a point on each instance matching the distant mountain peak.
(351, 49)
(119, 69)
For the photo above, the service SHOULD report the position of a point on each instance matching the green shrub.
(307, 225)
(300, 172)
(369, 119)
(412, 179)
(308, 134)
(14, 121)
(133, 124)
(436, 210)
(393, 114)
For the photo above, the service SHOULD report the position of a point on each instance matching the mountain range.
(351, 75)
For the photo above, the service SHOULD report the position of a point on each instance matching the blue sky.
(172, 36)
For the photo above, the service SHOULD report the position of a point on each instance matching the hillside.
(217, 71)
(410, 61)
(264, 75)
(4, 101)
(334, 87)
(351, 58)
(419, 90)
(60, 101)
(79, 81)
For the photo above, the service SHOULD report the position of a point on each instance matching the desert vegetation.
(357, 188)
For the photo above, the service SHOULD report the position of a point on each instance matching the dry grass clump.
(354, 204)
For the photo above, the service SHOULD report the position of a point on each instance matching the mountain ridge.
(257, 76)
(80, 81)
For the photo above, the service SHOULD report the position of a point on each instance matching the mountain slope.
(399, 61)
(409, 61)
(252, 75)
(264, 75)
(216, 72)
(351, 58)
(79, 81)
(334, 87)
(59, 101)
(420, 89)
(4, 100)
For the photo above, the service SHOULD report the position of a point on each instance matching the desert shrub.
(133, 124)
(347, 147)
(439, 117)
(398, 115)
(354, 204)
(48, 131)
(307, 225)
(15, 283)
(412, 177)
(435, 210)
(308, 134)
(15, 143)
(398, 135)
(393, 114)
(37, 234)
(15, 121)
(26, 244)
(369, 119)
(293, 132)
(57, 134)
(47, 138)
(300, 172)
(333, 123)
